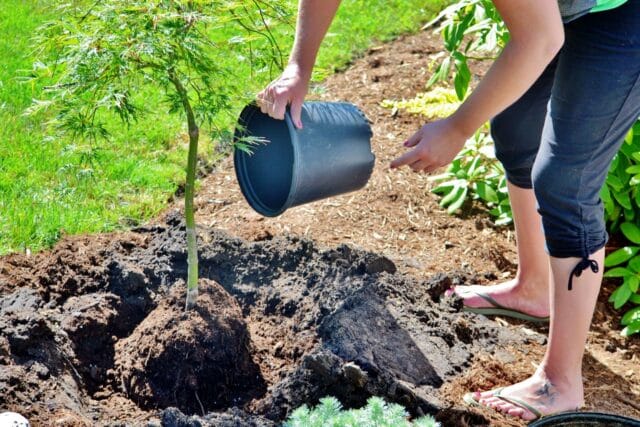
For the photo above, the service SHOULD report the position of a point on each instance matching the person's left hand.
(434, 145)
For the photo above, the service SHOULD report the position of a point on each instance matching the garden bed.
(341, 297)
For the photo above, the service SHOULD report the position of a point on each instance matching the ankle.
(562, 380)
(531, 285)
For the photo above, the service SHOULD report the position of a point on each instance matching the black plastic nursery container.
(585, 419)
(331, 155)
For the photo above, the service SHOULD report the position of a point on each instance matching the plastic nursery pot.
(583, 419)
(331, 155)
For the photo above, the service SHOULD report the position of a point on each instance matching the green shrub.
(621, 198)
(475, 173)
(377, 413)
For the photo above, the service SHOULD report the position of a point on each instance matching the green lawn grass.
(50, 187)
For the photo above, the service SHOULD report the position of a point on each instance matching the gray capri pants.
(561, 136)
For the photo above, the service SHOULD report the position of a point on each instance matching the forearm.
(314, 19)
(536, 37)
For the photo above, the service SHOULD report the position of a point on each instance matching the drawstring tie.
(582, 266)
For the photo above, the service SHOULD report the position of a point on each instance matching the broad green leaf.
(629, 215)
(618, 272)
(451, 196)
(504, 220)
(621, 296)
(458, 201)
(635, 299)
(630, 316)
(620, 256)
(614, 182)
(629, 137)
(486, 193)
(634, 264)
(631, 231)
(605, 195)
(473, 166)
(463, 77)
(444, 188)
(623, 199)
(633, 328)
(632, 282)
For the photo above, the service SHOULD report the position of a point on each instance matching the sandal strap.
(518, 402)
(491, 301)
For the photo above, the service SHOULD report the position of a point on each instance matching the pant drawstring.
(583, 265)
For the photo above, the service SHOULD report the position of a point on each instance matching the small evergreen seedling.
(377, 413)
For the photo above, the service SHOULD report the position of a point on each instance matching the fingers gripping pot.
(331, 155)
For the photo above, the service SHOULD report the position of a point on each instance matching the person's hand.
(434, 145)
(288, 89)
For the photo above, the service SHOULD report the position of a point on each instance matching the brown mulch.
(396, 215)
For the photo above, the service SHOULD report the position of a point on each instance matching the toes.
(502, 407)
(485, 394)
(490, 399)
(516, 412)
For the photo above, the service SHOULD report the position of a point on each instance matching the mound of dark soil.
(197, 361)
(279, 323)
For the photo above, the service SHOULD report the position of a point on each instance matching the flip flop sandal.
(519, 403)
(470, 401)
(499, 310)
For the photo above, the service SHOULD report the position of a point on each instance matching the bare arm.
(314, 19)
(537, 35)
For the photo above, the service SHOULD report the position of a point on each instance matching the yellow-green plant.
(433, 104)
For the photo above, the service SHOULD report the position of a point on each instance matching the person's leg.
(557, 383)
(528, 292)
(595, 100)
(517, 132)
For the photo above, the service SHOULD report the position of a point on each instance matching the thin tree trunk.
(192, 244)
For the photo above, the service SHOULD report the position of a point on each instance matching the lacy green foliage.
(101, 57)
(621, 199)
(471, 29)
(434, 104)
(377, 413)
(475, 173)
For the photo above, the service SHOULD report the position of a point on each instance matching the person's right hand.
(288, 89)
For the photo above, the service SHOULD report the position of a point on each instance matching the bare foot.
(534, 397)
(530, 298)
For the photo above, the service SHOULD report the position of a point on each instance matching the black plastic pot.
(590, 419)
(331, 155)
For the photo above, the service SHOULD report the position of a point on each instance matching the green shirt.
(607, 4)
(572, 9)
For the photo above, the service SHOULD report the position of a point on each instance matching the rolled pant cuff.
(519, 181)
(564, 249)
